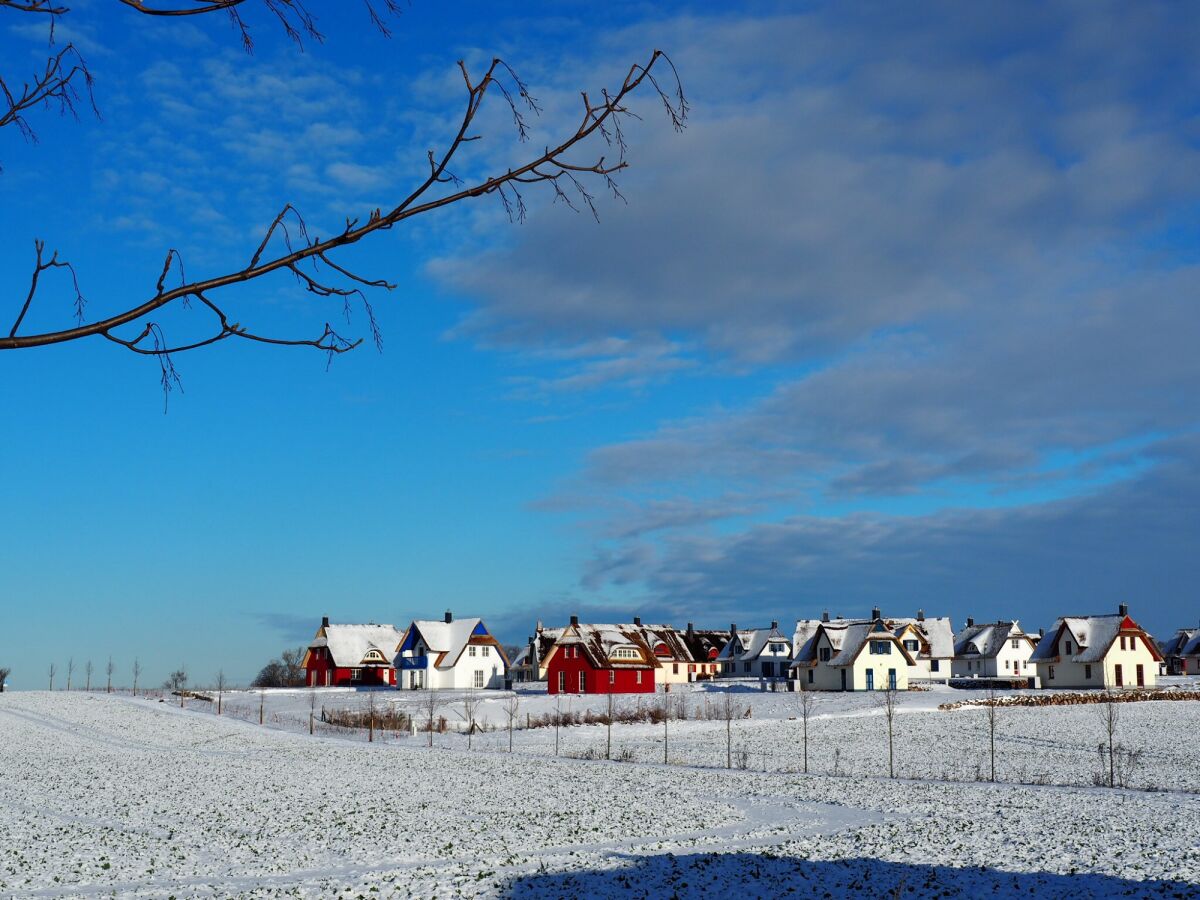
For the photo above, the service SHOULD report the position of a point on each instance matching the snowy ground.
(104, 794)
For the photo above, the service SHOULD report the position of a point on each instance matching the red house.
(351, 655)
(600, 659)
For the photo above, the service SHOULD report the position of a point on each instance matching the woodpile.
(1077, 698)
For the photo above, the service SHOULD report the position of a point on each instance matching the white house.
(1097, 651)
(845, 655)
(450, 654)
(758, 653)
(993, 650)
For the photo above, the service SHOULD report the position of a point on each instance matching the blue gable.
(410, 640)
(480, 630)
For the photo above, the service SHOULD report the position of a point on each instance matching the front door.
(870, 679)
(1120, 677)
(891, 679)
(1141, 676)
(843, 679)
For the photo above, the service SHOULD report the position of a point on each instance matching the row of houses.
(828, 654)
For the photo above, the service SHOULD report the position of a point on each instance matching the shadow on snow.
(753, 875)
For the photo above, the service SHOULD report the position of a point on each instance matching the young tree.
(512, 709)
(888, 700)
(262, 706)
(70, 671)
(4, 673)
(51, 671)
(312, 710)
(470, 702)
(666, 717)
(557, 720)
(1110, 719)
(287, 246)
(137, 671)
(108, 671)
(87, 668)
(370, 717)
(220, 689)
(991, 711)
(727, 715)
(608, 720)
(430, 703)
(808, 702)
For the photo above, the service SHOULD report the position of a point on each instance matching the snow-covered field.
(104, 794)
(847, 732)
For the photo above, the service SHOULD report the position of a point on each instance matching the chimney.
(970, 622)
(875, 613)
(825, 616)
(637, 621)
(1041, 632)
(732, 629)
(1123, 609)
(324, 621)
(690, 630)
(449, 617)
(920, 615)
(774, 624)
(574, 620)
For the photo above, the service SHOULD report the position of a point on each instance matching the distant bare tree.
(312, 710)
(470, 703)
(557, 720)
(87, 668)
(51, 671)
(808, 701)
(137, 671)
(285, 671)
(220, 689)
(512, 709)
(177, 680)
(108, 671)
(4, 673)
(431, 702)
(262, 706)
(371, 716)
(666, 717)
(888, 700)
(70, 671)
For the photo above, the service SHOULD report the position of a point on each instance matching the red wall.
(319, 663)
(596, 680)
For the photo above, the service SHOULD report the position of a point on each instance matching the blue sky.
(906, 317)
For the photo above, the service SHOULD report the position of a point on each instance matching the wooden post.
(262, 699)
(311, 716)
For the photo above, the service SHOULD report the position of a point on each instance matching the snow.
(104, 794)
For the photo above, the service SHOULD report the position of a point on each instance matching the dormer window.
(824, 654)
(912, 645)
(626, 653)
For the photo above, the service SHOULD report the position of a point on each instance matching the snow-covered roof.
(677, 649)
(937, 631)
(987, 639)
(847, 638)
(599, 641)
(1184, 642)
(350, 644)
(803, 636)
(1091, 636)
(701, 643)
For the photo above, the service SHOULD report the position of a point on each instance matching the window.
(470, 651)
(1016, 643)
(1068, 651)
(675, 668)
(1050, 673)
(485, 651)
(881, 648)
(626, 653)
(612, 676)
(583, 682)
(1122, 642)
(745, 667)
(562, 682)
(639, 676)
(691, 667)
(912, 645)
(768, 669)
(810, 676)
(1087, 672)
(935, 665)
(824, 653)
(479, 678)
(777, 648)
